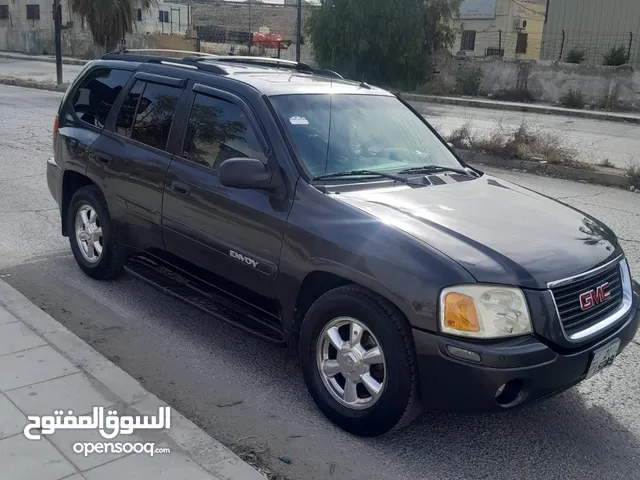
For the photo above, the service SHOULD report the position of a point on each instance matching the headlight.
(484, 311)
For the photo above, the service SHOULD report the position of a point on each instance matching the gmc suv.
(328, 215)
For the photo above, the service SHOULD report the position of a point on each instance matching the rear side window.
(153, 116)
(93, 99)
(218, 130)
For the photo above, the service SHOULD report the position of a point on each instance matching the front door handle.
(181, 188)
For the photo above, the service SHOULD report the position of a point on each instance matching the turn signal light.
(460, 313)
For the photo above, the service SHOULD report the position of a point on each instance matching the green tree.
(109, 20)
(387, 42)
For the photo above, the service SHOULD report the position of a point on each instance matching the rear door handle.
(181, 188)
(102, 158)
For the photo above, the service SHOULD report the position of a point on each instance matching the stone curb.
(533, 108)
(38, 58)
(27, 83)
(207, 452)
(597, 176)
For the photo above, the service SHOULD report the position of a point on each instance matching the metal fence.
(250, 28)
(593, 45)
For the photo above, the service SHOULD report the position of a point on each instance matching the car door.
(234, 233)
(131, 158)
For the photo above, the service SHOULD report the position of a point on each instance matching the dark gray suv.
(329, 216)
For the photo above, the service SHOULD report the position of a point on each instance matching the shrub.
(468, 80)
(576, 56)
(573, 99)
(616, 56)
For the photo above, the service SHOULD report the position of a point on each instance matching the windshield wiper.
(437, 169)
(354, 173)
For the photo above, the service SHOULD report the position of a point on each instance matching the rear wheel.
(358, 361)
(91, 235)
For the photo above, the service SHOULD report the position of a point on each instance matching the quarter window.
(154, 114)
(93, 99)
(219, 130)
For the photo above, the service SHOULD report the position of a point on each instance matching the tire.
(397, 404)
(109, 263)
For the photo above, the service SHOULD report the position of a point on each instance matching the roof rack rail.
(275, 62)
(187, 62)
(139, 50)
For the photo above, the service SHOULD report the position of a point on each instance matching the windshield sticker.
(298, 121)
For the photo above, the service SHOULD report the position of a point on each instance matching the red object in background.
(269, 40)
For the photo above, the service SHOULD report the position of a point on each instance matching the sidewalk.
(42, 58)
(44, 367)
(631, 117)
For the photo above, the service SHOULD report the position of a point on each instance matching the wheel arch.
(320, 280)
(72, 181)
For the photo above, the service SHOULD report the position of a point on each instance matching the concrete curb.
(39, 58)
(599, 176)
(533, 108)
(27, 83)
(207, 452)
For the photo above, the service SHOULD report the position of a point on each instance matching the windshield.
(339, 133)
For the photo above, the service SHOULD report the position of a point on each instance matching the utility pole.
(298, 30)
(57, 25)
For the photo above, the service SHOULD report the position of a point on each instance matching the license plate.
(603, 358)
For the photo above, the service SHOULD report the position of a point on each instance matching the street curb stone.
(210, 454)
(597, 176)
(532, 108)
(27, 83)
(39, 58)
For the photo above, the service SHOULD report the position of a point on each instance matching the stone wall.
(80, 44)
(545, 81)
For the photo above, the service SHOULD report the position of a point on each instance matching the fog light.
(500, 389)
(511, 393)
(463, 354)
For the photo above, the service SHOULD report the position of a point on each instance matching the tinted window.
(124, 122)
(155, 113)
(93, 100)
(218, 130)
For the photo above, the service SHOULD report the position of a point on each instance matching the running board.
(199, 294)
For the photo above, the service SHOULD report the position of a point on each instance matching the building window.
(468, 40)
(164, 16)
(521, 43)
(4, 12)
(139, 14)
(33, 12)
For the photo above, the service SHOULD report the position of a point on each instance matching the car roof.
(273, 81)
(268, 76)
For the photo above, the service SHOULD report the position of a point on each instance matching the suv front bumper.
(530, 368)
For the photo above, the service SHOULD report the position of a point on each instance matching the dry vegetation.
(525, 142)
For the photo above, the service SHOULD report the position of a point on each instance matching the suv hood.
(498, 231)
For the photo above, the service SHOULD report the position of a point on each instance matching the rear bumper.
(54, 180)
(527, 364)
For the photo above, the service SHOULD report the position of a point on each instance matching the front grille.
(567, 298)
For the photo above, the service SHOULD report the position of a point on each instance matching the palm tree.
(109, 20)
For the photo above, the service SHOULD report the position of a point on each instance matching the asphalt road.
(199, 365)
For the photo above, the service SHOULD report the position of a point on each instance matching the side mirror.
(245, 173)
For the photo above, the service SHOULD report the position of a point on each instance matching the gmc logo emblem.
(594, 297)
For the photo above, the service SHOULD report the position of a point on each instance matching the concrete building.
(511, 29)
(24, 15)
(591, 26)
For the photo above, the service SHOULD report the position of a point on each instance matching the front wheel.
(91, 235)
(358, 361)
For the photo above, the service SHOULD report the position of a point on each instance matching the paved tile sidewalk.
(44, 367)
